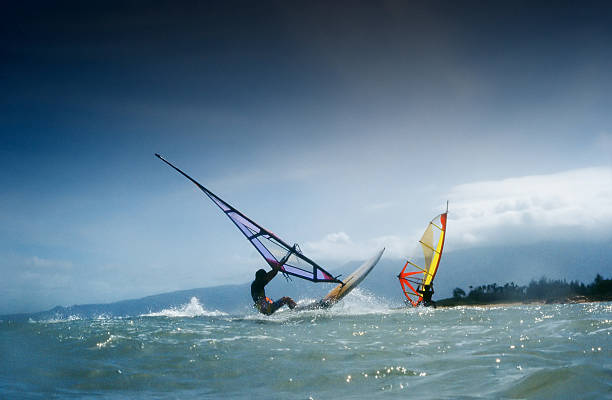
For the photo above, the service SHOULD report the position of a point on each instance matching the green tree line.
(537, 290)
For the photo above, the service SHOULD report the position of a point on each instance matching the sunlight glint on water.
(359, 349)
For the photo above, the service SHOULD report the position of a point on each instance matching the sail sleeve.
(440, 225)
(274, 250)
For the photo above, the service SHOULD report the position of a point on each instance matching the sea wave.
(362, 302)
(359, 302)
(361, 345)
(192, 309)
(58, 318)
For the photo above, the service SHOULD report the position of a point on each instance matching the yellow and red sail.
(413, 277)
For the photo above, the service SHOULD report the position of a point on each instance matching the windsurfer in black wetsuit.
(427, 291)
(258, 292)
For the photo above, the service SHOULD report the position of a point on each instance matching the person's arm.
(283, 260)
(272, 273)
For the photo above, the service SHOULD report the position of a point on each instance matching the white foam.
(360, 302)
(191, 309)
(242, 338)
(57, 319)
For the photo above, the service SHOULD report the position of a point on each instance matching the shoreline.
(451, 302)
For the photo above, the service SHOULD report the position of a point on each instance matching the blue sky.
(342, 127)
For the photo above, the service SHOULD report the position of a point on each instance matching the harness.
(264, 305)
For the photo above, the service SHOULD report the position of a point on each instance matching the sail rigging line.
(255, 234)
(285, 259)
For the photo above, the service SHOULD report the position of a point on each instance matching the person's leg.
(290, 303)
(281, 302)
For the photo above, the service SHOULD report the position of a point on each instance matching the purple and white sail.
(273, 249)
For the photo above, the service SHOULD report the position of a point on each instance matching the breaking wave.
(58, 318)
(192, 309)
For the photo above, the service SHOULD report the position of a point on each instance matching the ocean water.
(360, 349)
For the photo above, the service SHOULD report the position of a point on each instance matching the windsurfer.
(258, 292)
(427, 291)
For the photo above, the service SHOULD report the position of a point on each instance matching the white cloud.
(574, 204)
(571, 204)
(340, 247)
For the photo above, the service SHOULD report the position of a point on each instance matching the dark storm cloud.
(305, 114)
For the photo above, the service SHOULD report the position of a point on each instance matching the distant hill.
(227, 298)
(462, 268)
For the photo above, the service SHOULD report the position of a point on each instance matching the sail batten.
(266, 242)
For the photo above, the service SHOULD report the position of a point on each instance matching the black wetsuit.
(258, 290)
(427, 293)
(263, 303)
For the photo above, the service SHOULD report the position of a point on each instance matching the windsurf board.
(350, 283)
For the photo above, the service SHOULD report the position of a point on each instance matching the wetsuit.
(427, 292)
(263, 303)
